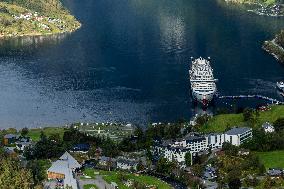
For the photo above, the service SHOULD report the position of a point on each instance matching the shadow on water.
(28, 44)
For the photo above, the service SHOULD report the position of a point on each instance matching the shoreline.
(272, 10)
(10, 36)
(274, 49)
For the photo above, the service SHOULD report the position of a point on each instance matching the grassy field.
(114, 131)
(219, 123)
(89, 186)
(113, 176)
(274, 159)
(35, 133)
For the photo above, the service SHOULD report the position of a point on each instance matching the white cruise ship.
(203, 84)
(280, 86)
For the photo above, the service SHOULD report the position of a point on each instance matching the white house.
(22, 145)
(175, 154)
(107, 161)
(126, 164)
(268, 128)
(237, 135)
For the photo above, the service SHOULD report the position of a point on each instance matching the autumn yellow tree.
(13, 176)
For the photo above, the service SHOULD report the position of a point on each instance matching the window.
(231, 139)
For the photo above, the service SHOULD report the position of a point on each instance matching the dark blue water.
(129, 62)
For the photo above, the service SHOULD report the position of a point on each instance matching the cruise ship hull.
(280, 86)
(202, 82)
(204, 99)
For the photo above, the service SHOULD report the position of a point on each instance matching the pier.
(270, 100)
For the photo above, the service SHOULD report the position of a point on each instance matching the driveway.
(210, 185)
(49, 184)
(98, 181)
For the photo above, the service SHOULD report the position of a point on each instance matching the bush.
(279, 124)
(230, 149)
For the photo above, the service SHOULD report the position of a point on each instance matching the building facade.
(176, 150)
(64, 169)
(236, 136)
(215, 140)
(9, 139)
(196, 143)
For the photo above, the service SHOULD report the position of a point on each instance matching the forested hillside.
(35, 17)
(280, 39)
(276, 46)
(264, 2)
(43, 6)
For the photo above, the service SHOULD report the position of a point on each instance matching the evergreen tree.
(188, 159)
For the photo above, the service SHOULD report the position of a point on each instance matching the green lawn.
(89, 186)
(219, 123)
(35, 133)
(274, 159)
(113, 176)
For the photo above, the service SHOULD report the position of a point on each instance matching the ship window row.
(204, 90)
(204, 84)
(203, 87)
(203, 75)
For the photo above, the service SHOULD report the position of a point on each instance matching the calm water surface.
(129, 62)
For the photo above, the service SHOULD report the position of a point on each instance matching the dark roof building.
(81, 148)
(9, 139)
(238, 130)
(275, 172)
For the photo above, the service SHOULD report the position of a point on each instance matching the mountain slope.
(35, 17)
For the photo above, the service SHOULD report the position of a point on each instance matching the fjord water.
(129, 62)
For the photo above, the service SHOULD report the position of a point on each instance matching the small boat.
(280, 86)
